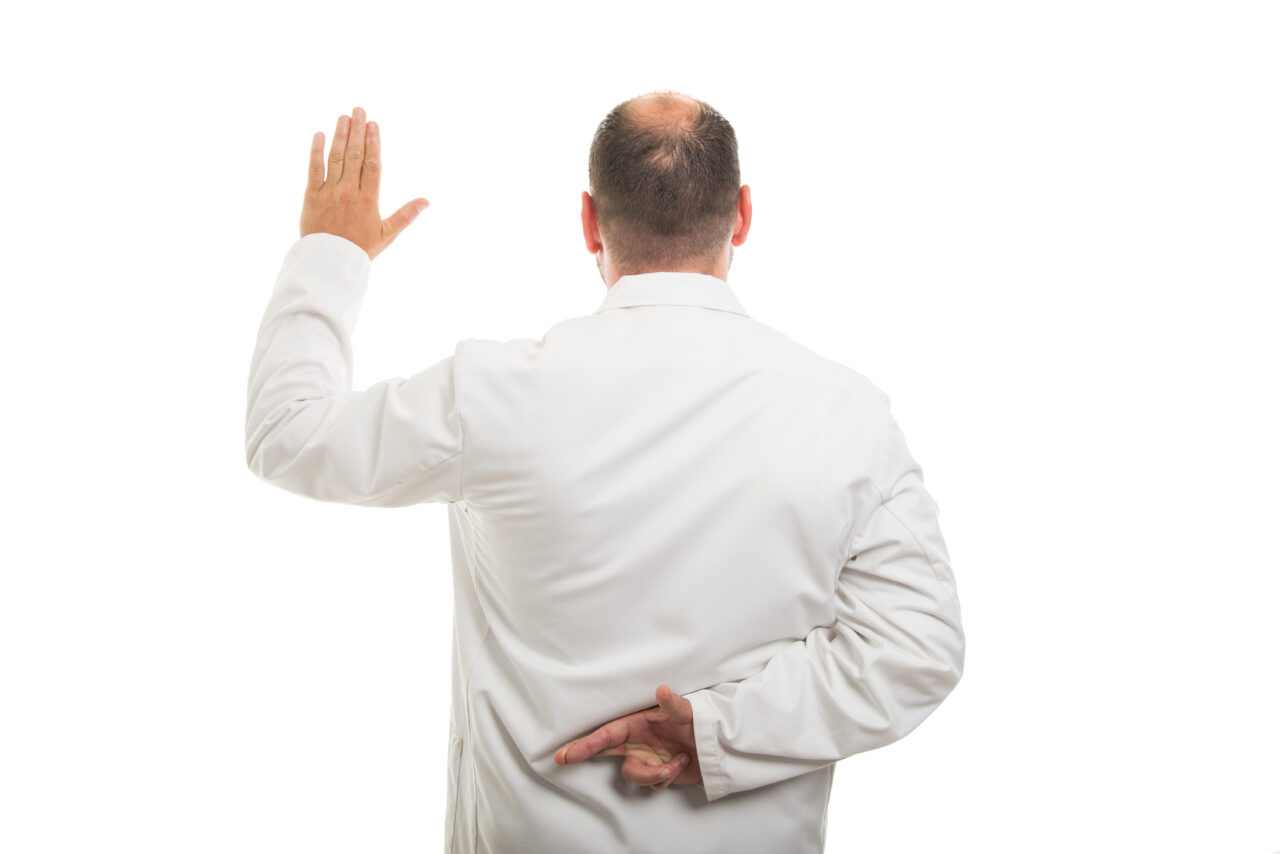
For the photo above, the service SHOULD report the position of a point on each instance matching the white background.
(1048, 231)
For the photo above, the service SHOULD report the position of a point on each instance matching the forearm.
(893, 655)
(395, 443)
(303, 353)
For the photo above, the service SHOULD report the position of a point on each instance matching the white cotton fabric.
(664, 490)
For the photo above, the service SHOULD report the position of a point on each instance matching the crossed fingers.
(654, 754)
(647, 761)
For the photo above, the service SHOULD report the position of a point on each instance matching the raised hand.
(657, 743)
(346, 202)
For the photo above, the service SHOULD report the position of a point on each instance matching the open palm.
(345, 202)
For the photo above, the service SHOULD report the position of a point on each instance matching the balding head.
(664, 181)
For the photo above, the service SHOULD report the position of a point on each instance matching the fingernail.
(666, 772)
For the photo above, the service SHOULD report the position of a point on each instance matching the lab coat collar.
(672, 289)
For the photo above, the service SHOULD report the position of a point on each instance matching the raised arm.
(397, 442)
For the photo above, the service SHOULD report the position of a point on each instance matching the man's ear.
(744, 216)
(590, 228)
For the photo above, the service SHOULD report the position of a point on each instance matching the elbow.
(269, 449)
(273, 462)
(931, 684)
(940, 665)
(947, 652)
(257, 451)
(957, 646)
(949, 665)
(267, 457)
(251, 447)
(253, 460)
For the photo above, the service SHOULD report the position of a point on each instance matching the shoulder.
(509, 351)
(843, 381)
(496, 354)
(860, 410)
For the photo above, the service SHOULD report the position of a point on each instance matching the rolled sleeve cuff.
(705, 722)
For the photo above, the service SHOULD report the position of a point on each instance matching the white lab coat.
(664, 490)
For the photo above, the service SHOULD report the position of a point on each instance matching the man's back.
(663, 491)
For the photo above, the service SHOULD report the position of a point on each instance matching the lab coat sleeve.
(396, 443)
(894, 652)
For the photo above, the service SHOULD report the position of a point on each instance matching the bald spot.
(663, 110)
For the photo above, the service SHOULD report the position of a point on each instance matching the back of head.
(664, 181)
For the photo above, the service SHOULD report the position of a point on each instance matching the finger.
(399, 221)
(612, 734)
(677, 766)
(354, 154)
(636, 770)
(680, 709)
(620, 750)
(338, 151)
(315, 175)
(372, 160)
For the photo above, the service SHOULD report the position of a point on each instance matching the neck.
(719, 269)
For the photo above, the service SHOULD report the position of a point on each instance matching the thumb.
(680, 709)
(399, 221)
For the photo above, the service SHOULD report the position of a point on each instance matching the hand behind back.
(657, 742)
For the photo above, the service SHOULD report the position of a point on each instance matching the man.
(662, 493)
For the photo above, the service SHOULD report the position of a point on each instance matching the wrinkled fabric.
(664, 490)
